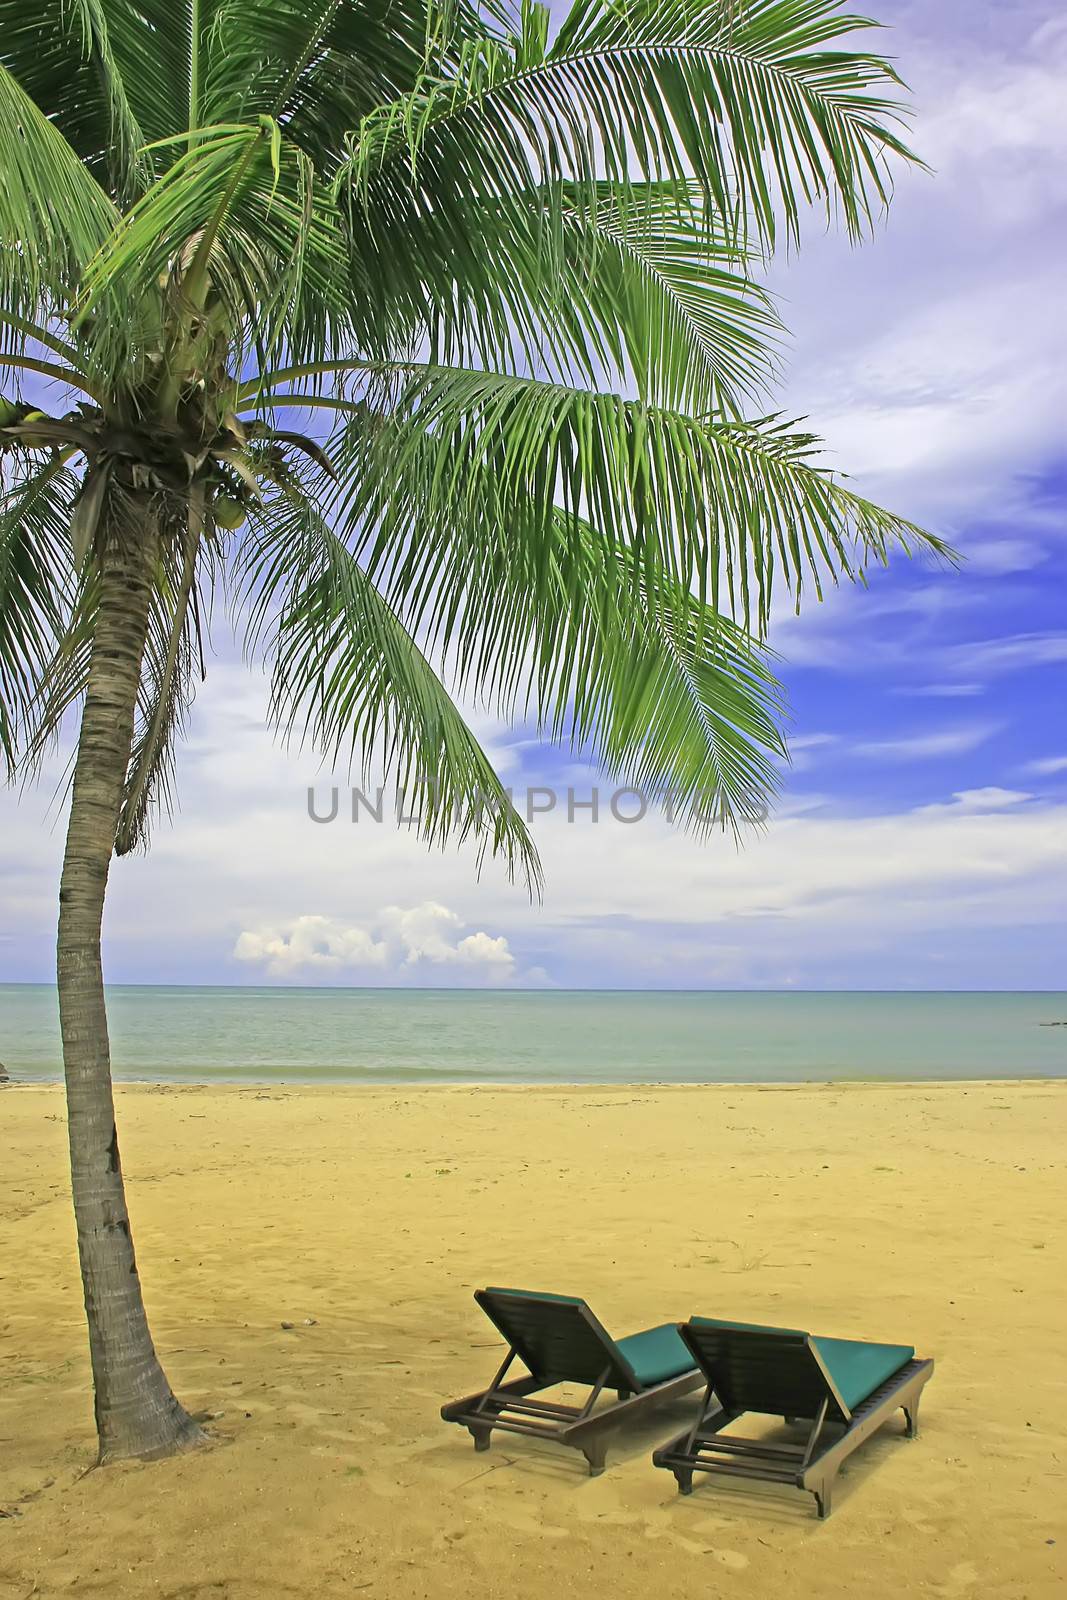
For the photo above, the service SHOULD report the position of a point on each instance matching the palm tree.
(449, 237)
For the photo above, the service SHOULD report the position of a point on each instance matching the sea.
(172, 1034)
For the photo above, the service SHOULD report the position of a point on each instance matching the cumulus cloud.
(310, 945)
(430, 933)
(397, 941)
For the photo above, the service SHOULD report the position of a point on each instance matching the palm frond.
(738, 95)
(36, 587)
(53, 215)
(124, 167)
(731, 509)
(402, 206)
(674, 700)
(691, 326)
(166, 689)
(348, 677)
(318, 65)
(105, 73)
(644, 289)
(238, 210)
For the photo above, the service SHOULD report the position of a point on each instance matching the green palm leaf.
(676, 701)
(348, 676)
(643, 287)
(53, 215)
(697, 332)
(172, 649)
(36, 588)
(260, 198)
(239, 212)
(732, 508)
(739, 96)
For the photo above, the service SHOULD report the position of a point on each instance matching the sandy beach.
(930, 1214)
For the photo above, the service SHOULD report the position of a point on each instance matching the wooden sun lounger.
(844, 1389)
(559, 1340)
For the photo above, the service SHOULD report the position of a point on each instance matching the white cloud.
(990, 853)
(946, 691)
(820, 896)
(834, 636)
(428, 932)
(927, 746)
(1013, 653)
(996, 558)
(1005, 123)
(991, 798)
(804, 748)
(407, 940)
(313, 945)
(933, 360)
(1047, 766)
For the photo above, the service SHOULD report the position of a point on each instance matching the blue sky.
(921, 837)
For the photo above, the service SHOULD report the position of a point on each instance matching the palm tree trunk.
(136, 1412)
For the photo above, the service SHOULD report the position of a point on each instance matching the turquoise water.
(197, 1035)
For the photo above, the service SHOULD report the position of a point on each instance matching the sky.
(920, 839)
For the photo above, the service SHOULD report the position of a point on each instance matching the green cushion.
(857, 1367)
(745, 1327)
(535, 1294)
(656, 1354)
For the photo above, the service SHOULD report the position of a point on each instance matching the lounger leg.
(684, 1479)
(481, 1433)
(911, 1419)
(595, 1452)
(823, 1492)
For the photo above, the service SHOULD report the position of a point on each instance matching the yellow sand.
(929, 1214)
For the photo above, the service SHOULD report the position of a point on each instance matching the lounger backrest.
(558, 1337)
(753, 1368)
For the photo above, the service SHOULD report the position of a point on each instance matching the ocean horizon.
(172, 1033)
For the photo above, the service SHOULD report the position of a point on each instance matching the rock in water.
(5, 1076)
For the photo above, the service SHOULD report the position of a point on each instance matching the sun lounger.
(559, 1340)
(842, 1389)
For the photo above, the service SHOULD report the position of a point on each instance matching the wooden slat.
(744, 1469)
(543, 1430)
(541, 1408)
(754, 1447)
(558, 1341)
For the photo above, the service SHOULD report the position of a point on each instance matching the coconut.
(34, 441)
(229, 513)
